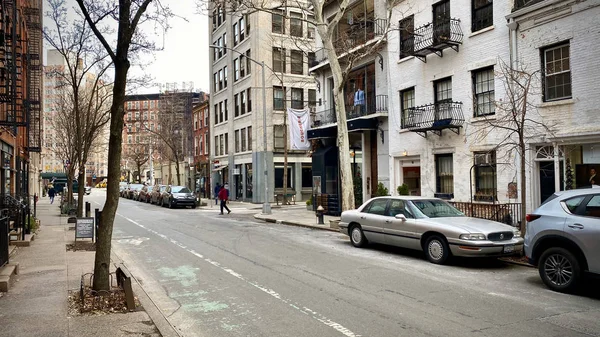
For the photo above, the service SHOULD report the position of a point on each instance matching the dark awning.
(362, 124)
(357, 124)
(323, 132)
(50, 175)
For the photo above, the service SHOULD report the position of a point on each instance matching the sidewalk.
(296, 215)
(37, 303)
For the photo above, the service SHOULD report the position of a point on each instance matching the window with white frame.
(444, 176)
(483, 90)
(557, 72)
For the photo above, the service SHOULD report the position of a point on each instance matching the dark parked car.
(144, 194)
(175, 196)
(131, 191)
(155, 194)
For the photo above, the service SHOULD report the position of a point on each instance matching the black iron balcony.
(437, 36)
(379, 104)
(434, 117)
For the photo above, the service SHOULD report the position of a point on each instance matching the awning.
(220, 168)
(322, 132)
(50, 175)
(362, 124)
(356, 124)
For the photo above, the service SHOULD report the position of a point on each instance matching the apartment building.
(201, 116)
(365, 98)
(51, 161)
(284, 41)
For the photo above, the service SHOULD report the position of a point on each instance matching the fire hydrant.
(320, 211)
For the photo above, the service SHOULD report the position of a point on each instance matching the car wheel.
(162, 202)
(170, 204)
(193, 206)
(560, 269)
(357, 237)
(436, 249)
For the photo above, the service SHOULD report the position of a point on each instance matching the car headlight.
(517, 233)
(473, 237)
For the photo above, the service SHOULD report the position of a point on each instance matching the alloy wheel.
(558, 269)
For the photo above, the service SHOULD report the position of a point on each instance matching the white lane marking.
(315, 315)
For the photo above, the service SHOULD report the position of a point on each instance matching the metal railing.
(437, 35)
(378, 104)
(435, 116)
(4, 238)
(508, 213)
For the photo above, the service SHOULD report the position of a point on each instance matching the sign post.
(84, 228)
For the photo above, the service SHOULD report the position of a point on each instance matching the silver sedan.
(431, 225)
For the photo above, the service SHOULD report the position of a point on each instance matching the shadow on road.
(589, 287)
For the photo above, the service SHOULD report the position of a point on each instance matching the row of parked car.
(162, 195)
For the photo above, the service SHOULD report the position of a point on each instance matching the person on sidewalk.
(217, 190)
(51, 193)
(223, 196)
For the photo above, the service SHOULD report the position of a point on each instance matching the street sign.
(84, 228)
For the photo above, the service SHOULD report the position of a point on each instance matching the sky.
(184, 57)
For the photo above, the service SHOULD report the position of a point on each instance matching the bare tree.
(129, 40)
(516, 120)
(138, 154)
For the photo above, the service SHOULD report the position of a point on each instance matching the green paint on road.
(229, 327)
(187, 294)
(205, 306)
(186, 275)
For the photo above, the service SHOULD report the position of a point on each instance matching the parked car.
(431, 225)
(123, 187)
(144, 194)
(175, 196)
(133, 190)
(563, 238)
(88, 190)
(156, 194)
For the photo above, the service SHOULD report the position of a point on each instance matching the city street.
(228, 275)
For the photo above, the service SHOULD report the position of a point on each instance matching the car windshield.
(137, 187)
(435, 209)
(180, 189)
(163, 188)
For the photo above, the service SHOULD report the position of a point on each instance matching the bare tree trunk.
(170, 173)
(103, 246)
(177, 172)
(523, 187)
(80, 190)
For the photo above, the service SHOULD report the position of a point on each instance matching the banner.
(298, 127)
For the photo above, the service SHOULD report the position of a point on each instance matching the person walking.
(217, 190)
(51, 193)
(224, 196)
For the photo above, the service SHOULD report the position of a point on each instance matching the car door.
(400, 232)
(584, 228)
(372, 219)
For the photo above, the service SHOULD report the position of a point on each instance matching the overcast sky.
(185, 54)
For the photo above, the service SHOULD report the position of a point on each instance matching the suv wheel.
(559, 269)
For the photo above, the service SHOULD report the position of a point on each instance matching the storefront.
(6, 172)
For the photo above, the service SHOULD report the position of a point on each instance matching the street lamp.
(266, 205)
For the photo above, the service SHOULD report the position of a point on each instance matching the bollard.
(320, 211)
(35, 200)
(97, 215)
(88, 208)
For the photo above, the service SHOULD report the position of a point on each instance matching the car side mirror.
(400, 217)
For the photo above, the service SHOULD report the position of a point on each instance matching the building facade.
(237, 151)
(201, 117)
(365, 98)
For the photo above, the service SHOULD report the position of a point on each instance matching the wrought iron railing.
(508, 213)
(519, 4)
(436, 35)
(358, 34)
(4, 238)
(436, 116)
(379, 104)
(325, 117)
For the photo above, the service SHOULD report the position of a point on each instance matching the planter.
(309, 207)
(335, 224)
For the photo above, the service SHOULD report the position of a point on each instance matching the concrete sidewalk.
(297, 215)
(37, 304)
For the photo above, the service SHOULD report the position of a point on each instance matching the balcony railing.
(357, 34)
(434, 37)
(519, 4)
(377, 105)
(434, 117)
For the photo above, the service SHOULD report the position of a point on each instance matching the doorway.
(412, 179)
(547, 176)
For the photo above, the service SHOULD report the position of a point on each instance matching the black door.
(441, 22)
(547, 175)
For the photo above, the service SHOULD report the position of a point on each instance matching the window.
(247, 24)
(297, 65)
(248, 62)
(206, 117)
(306, 176)
(206, 143)
(226, 110)
(225, 43)
(146, 104)
(221, 112)
(242, 102)
(236, 33)
(216, 81)
(226, 143)
(215, 51)
(279, 177)
(237, 141)
(278, 22)
(249, 131)
(441, 21)
(216, 145)
(296, 24)
(407, 101)
(312, 59)
(236, 101)
(483, 88)
(312, 98)
(377, 206)
(243, 140)
(278, 98)
(444, 176)
(201, 147)
(242, 29)
(220, 44)
(221, 148)
(297, 98)
(236, 70)
(310, 27)
(242, 66)
(278, 142)
(407, 36)
(485, 176)
(482, 15)
(225, 75)
(129, 139)
(151, 104)
(220, 79)
(443, 90)
(249, 96)
(397, 207)
(216, 113)
(279, 60)
(557, 73)
(572, 203)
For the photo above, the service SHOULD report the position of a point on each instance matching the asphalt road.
(215, 275)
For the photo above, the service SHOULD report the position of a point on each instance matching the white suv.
(563, 238)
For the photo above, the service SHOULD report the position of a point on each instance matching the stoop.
(7, 275)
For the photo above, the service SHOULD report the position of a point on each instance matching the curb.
(164, 326)
(523, 264)
(292, 223)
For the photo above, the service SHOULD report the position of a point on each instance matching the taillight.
(532, 217)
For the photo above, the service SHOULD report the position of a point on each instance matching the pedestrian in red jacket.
(223, 196)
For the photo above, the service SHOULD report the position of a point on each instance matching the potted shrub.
(309, 203)
(382, 191)
(403, 190)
